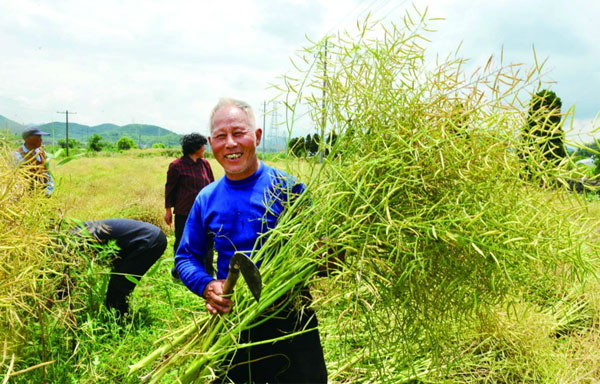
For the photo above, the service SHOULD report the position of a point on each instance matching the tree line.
(309, 145)
(96, 143)
(542, 135)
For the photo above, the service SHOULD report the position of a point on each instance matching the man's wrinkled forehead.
(232, 121)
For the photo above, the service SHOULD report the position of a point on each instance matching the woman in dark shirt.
(186, 176)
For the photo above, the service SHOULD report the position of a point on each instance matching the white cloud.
(167, 63)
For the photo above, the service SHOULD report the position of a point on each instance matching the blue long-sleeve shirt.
(235, 213)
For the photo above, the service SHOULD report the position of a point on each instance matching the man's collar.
(36, 150)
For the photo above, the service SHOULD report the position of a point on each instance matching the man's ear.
(258, 133)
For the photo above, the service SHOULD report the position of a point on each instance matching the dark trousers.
(135, 263)
(296, 360)
(179, 226)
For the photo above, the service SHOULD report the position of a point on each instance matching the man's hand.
(168, 216)
(215, 302)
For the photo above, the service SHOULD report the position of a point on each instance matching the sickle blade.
(250, 272)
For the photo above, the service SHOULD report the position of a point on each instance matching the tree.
(296, 146)
(596, 168)
(331, 140)
(95, 143)
(543, 133)
(308, 143)
(587, 150)
(158, 145)
(314, 144)
(125, 143)
(291, 144)
(72, 143)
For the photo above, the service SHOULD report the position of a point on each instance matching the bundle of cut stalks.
(23, 250)
(34, 262)
(423, 197)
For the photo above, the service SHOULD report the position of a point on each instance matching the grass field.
(115, 187)
(130, 185)
(526, 342)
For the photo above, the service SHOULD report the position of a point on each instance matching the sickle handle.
(232, 277)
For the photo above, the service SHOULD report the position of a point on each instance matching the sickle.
(242, 263)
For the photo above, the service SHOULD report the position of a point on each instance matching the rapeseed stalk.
(430, 215)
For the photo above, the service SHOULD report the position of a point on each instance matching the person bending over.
(140, 246)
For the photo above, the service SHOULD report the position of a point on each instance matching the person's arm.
(189, 261)
(49, 179)
(18, 158)
(170, 190)
(168, 216)
(49, 183)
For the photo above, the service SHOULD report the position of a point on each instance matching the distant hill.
(12, 126)
(106, 127)
(143, 134)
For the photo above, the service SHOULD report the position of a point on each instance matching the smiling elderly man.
(233, 212)
(32, 156)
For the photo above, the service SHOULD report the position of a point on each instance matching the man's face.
(234, 141)
(33, 141)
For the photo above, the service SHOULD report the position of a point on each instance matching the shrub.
(158, 145)
(95, 143)
(543, 136)
(73, 143)
(125, 143)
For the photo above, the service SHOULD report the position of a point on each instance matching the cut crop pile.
(49, 279)
(31, 263)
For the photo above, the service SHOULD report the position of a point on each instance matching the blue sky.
(167, 63)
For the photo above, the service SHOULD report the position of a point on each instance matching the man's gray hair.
(225, 102)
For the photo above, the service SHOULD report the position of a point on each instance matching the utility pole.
(264, 133)
(66, 113)
(275, 124)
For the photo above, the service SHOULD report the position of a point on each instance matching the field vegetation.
(435, 250)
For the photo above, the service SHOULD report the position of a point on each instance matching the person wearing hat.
(32, 155)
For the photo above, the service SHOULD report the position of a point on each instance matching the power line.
(365, 10)
(376, 10)
(393, 9)
(275, 125)
(336, 26)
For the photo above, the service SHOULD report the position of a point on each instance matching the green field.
(526, 342)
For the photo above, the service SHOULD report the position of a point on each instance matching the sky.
(167, 63)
